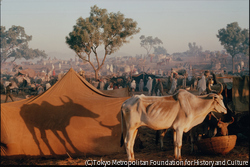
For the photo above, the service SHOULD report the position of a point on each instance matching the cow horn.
(70, 100)
(219, 122)
(209, 86)
(62, 101)
(231, 121)
(221, 89)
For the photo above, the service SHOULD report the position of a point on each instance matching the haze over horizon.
(176, 23)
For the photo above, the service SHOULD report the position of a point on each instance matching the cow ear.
(212, 96)
(219, 125)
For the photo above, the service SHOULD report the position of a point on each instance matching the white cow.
(181, 112)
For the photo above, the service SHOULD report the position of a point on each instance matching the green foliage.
(234, 39)
(194, 50)
(149, 42)
(160, 50)
(245, 43)
(110, 30)
(14, 44)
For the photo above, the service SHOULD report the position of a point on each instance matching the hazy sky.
(175, 22)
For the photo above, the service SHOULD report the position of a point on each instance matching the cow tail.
(122, 140)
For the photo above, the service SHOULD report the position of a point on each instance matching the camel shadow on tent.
(55, 118)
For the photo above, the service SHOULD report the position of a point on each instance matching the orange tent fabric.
(122, 92)
(71, 117)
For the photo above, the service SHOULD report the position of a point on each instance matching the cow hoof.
(177, 159)
(131, 160)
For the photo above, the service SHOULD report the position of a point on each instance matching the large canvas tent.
(240, 94)
(122, 92)
(71, 117)
(240, 91)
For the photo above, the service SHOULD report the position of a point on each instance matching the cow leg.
(32, 131)
(192, 141)
(44, 137)
(162, 134)
(65, 134)
(60, 139)
(179, 134)
(133, 143)
(129, 143)
(63, 142)
(192, 135)
(175, 144)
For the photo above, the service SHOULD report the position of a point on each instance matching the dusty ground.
(144, 155)
(149, 152)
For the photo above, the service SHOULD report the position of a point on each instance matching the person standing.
(202, 85)
(158, 88)
(133, 86)
(184, 81)
(141, 85)
(60, 66)
(47, 85)
(54, 73)
(8, 92)
(149, 85)
(238, 68)
(153, 86)
(174, 85)
(110, 87)
(102, 85)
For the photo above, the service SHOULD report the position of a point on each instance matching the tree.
(245, 44)
(194, 50)
(149, 42)
(14, 44)
(160, 50)
(234, 39)
(110, 30)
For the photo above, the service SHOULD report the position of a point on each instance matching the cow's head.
(223, 127)
(218, 101)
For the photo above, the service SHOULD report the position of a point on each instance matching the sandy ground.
(150, 153)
